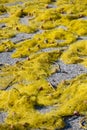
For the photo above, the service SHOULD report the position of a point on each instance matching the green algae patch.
(77, 53)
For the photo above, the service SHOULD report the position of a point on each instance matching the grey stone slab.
(2, 25)
(51, 6)
(67, 71)
(5, 58)
(6, 15)
(21, 37)
(44, 109)
(24, 36)
(24, 20)
(3, 115)
(73, 123)
(14, 3)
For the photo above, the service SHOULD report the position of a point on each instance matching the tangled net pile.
(59, 26)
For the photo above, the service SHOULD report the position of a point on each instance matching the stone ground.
(65, 72)
(73, 123)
